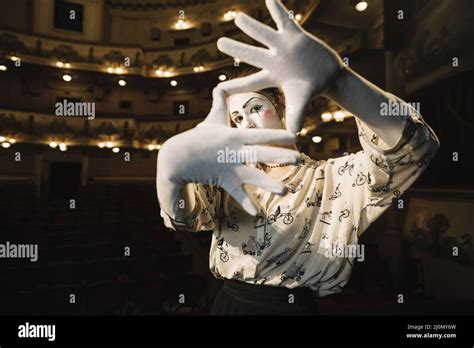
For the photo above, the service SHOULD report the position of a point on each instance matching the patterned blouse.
(308, 237)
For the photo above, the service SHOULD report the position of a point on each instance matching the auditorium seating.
(112, 252)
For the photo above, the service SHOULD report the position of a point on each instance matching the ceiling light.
(2, 138)
(222, 77)
(67, 78)
(62, 147)
(118, 70)
(110, 70)
(115, 150)
(109, 144)
(122, 82)
(3, 68)
(6, 145)
(167, 73)
(59, 64)
(67, 65)
(152, 147)
(174, 83)
(12, 141)
(317, 139)
(14, 58)
(101, 145)
(339, 116)
(361, 6)
(303, 132)
(230, 15)
(298, 17)
(53, 144)
(196, 69)
(326, 116)
(181, 24)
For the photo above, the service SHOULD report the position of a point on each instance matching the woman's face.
(253, 110)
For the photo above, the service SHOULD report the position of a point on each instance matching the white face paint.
(253, 110)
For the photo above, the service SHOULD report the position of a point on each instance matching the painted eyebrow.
(248, 101)
(234, 113)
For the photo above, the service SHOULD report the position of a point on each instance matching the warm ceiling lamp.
(67, 78)
(109, 144)
(101, 144)
(12, 140)
(3, 67)
(298, 17)
(2, 138)
(60, 64)
(118, 70)
(230, 15)
(62, 147)
(152, 147)
(181, 24)
(53, 144)
(122, 83)
(317, 139)
(361, 6)
(222, 77)
(14, 58)
(339, 116)
(326, 116)
(6, 145)
(115, 150)
(174, 83)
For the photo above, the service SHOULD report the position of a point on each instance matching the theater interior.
(83, 187)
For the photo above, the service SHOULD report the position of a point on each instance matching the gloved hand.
(296, 61)
(196, 156)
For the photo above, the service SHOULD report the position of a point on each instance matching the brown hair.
(275, 95)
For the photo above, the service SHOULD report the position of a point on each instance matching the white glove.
(296, 61)
(193, 156)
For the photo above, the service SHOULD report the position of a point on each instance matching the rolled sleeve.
(380, 174)
(391, 171)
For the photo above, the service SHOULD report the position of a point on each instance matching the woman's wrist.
(364, 100)
(338, 84)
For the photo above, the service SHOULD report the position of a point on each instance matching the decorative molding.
(66, 53)
(36, 128)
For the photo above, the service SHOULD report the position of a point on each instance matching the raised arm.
(303, 66)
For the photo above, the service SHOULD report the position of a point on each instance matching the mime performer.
(277, 222)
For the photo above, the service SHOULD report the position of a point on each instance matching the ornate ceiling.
(332, 23)
(117, 42)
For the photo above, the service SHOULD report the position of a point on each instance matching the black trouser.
(240, 298)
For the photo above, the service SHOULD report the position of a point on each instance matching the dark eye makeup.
(237, 119)
(256, 108)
